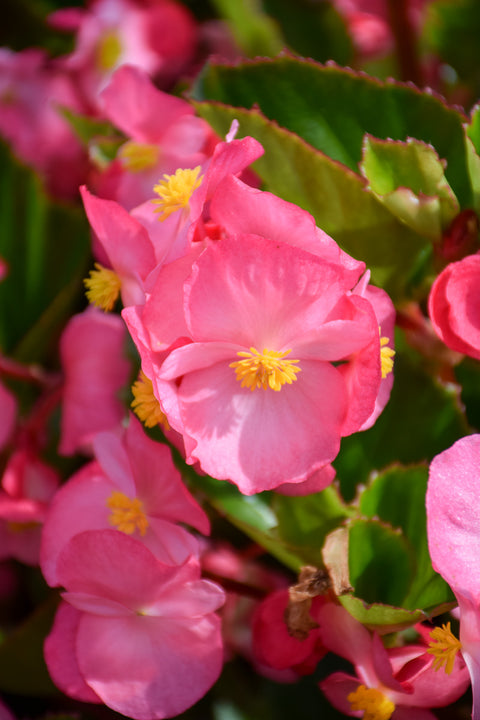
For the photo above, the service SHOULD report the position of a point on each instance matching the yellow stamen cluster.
(176, 190)
(137, 157)
(127, 515)
(265, 370)
(386, 356)
(443, 646)
(374, 704)
(145, 404)
(102, 287)
(109, 50)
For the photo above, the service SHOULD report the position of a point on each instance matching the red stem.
(405, 41)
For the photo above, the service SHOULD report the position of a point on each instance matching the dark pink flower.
(454, 306)
(133, 633)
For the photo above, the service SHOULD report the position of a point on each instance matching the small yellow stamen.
(127, 514)
(443, 646)
(265, 370)
(109, 50)
(146, 405)
(374, 704)
(137, 157)
(102, 287)
(386, 356)
(176, 190)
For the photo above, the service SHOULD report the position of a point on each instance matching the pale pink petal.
(453, 516)
(150, 668)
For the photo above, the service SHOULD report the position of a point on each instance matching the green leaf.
(255, 33)
(409, 179)
(382, 618)
(379, 561)
(22, 667)
(304, 522)
(397, 496)
(420, 420)
(249, 513)
(313, 29)
(334, 195)
(332, 109)
(87, 128)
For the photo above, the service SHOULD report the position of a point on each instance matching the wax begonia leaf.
(304, 522)
(397, 496)
(332, 108)
(379, 617)
(409, 179)
(421, 418)
(44, 275)
(313, 30)
(254, 31)
(333, 194)
(22, 667)
(380, 562)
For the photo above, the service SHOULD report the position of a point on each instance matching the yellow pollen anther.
(146, 405)
(265, 370)
(102, 287)
(137, 157)
(127, 515)
(176, 190)
(386, 356)
(443, 646)
(374, 704)
(109, 50)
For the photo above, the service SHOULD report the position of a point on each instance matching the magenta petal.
(61, 657)
(336, 689)
(150, 668)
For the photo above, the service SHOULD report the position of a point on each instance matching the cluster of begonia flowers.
(261, 344)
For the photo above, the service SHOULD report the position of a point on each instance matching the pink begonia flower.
(8, 415)
(262, 324)
(453, 306)
(163, 135)
(453, 525)
(399, 683)
(138, 635)
(95, 370)
(239, 208)
(32, 88)
(156, 35)
(133, 486)
(28, 485)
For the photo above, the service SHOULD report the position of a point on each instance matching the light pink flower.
(135, 487)
(453, 306)
(133, 633)
(28, 485)
(95, 369)
(403, 682)
(453, 524)
(249, 292)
